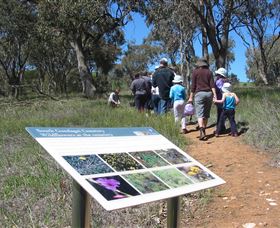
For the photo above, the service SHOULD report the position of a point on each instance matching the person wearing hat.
(178, 95)
(162, 78)
(229, 101)
(221, 78)
(202, 92)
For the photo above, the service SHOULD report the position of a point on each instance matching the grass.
(259, 115)
(35, 192)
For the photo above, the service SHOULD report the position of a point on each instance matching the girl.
(178, 95)
(229, 100)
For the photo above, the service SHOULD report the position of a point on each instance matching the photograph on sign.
(146, 182)
(88, 164)
(113, 187)
(123, 167)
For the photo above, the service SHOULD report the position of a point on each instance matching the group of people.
(205, 90)
(164, 89)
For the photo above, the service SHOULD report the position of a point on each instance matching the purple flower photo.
(113, 187)
(110, 184)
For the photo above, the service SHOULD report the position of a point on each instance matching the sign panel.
(122, 167)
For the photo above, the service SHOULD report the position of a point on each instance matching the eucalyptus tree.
(174, 30)
(137, 58)
(273, 63)
(218, 18)
(86, 22)
(53, 60)
(262, 21)
(17, 23)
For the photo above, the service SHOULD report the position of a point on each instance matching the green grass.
(259, 115)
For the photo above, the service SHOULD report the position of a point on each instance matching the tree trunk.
(204, 33)
(263, 74)
(220, 58)
(85, 76)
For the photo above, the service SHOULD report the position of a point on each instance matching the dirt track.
(252, 192)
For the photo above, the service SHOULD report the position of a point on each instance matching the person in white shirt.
(114, 99)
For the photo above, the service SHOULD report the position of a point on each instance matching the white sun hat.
(177, 79)
(221, 71)
(227, 88)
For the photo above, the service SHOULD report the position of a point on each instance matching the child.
(229, 100)
(178, 95)
(114, 99)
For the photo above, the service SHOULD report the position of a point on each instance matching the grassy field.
(35, 192)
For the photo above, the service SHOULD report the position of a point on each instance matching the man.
(139, 90)
(148, 80)
(162, 79)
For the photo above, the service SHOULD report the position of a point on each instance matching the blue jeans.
(164, 105)
(227, 114)
(156, 103)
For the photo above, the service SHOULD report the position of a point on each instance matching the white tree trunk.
(86, 78)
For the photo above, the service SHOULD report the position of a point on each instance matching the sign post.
(123, 167)
(80, 207)
(173, 212)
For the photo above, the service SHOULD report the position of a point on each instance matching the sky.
(136, 30)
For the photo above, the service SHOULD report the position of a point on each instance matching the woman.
(202, 91)
(221, 78)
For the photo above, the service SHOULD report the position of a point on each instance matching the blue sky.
(137, 30)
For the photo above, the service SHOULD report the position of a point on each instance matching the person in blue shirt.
(178, 96)
(229, 101)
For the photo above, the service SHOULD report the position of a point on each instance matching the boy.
(229, 101)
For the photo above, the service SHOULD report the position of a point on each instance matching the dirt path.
(252, 192)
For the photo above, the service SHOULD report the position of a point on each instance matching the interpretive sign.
(122, 167)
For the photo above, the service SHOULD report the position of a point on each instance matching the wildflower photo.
(113, 187)
(88, 164)
(146, 182)
(173, 156)
(121, 161)
(173, 177)
(149, 159)
(195, 173)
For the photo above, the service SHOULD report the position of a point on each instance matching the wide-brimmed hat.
(227, 88)
(177, 79)
(202, 62)
(221, 71)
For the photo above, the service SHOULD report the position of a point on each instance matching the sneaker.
(234, 135)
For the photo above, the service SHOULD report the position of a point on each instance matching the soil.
(251, 195)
